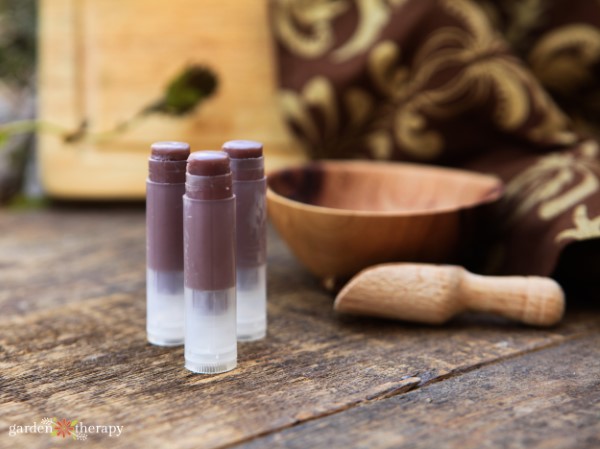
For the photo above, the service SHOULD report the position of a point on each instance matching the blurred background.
(112, 77)
(18, 19)
(509, 87)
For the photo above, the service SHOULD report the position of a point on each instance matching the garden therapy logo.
(64, 428)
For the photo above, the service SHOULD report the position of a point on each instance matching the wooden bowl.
(339, 217)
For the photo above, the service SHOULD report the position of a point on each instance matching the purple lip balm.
(164, 243)
(249, 187)
(209, 260)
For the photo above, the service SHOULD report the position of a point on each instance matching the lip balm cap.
(170, 151)
(243, 149)
(208, 163)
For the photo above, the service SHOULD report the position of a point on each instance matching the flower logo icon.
(64, 428)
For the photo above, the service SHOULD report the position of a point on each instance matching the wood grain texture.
(340, 217)
(546, 399)
(73, 344)
(52, 259)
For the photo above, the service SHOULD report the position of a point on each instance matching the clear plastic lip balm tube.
(164, 243)
(209, 260)
(249, 187)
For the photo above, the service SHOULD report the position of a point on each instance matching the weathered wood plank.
(545, 399)
(79, 351)
(49, 259)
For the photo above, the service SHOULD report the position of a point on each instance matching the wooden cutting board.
(104, 60)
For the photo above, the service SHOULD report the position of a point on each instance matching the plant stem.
(26, 126)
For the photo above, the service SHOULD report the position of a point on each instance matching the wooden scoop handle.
(435, 293)
(534, 300)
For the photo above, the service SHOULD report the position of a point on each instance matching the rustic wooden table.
(73, 345)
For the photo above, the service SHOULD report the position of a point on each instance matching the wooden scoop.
(435, 293)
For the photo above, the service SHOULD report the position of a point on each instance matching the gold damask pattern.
(585, 227)
(563, 59)
(555, 183)
(317, 94)
(305, 27)
(482, 73)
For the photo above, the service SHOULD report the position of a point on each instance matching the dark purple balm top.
(164, 243)
(209, 222)
(243, 149)
(208, 176)
(249, 187)
(167, 162)
(209, 255)
(208, 163)
(164, 205)
(247, 162)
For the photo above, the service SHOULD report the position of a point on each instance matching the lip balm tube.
(164, 243)
(249, 187)
(209, 261)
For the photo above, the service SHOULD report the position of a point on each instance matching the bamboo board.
(104, 60)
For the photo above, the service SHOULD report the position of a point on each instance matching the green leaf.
(186, 91)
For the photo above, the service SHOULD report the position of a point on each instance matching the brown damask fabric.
(509, 87)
